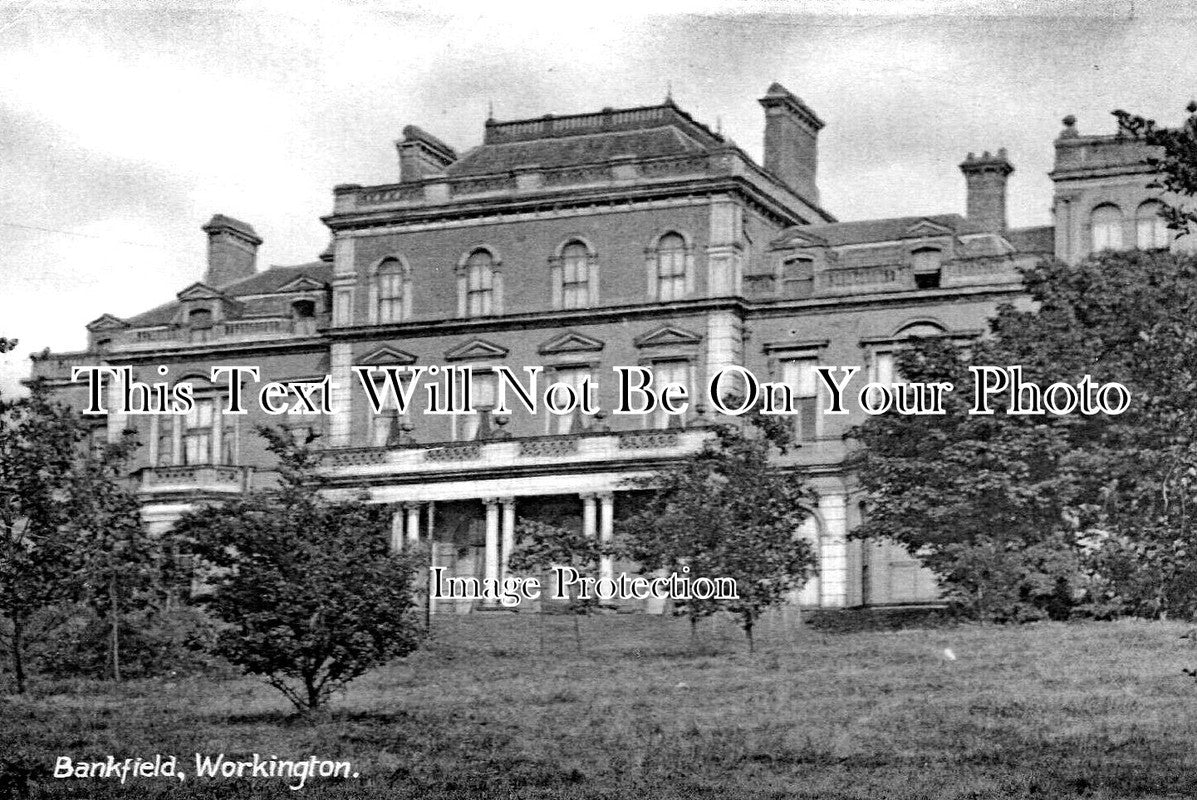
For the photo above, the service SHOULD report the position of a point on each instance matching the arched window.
(479, 284)
(671, 267)
(1106, 226)
(1151, 232)
(926, 264)
(575, 276)
(389, 280)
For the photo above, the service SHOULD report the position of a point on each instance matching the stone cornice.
(572, 197)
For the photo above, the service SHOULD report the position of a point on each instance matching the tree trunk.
(578, 632)
(114, 619)
(693, 630)
(18, 661)
(748, 633)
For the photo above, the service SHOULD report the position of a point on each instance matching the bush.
(179, 640)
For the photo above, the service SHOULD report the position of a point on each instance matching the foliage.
(727, 512)
(118, 568)
(1175, 165)
(153, 642)
(542, 546)
(1024, 516)
(307, 587)
(39, 453)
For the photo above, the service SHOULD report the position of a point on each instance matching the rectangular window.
(575, 283)
(385, 426)
(197, 433)
(883, 370)
(479, 291)
(667, 372)
(390, 297)
(468, 426)
(571, 377)
(799, 375)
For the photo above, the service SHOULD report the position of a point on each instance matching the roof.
(549, 153)
(265, 282)
(553, 141)
(1033, 240)
(837, 234)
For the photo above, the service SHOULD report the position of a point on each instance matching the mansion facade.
(633, 236)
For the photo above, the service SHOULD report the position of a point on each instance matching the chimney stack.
(232, 250)
(985, 177)
(791, 140)
(422, 155)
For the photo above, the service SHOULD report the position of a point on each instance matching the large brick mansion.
(633, 236)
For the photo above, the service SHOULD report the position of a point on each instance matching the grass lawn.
(1049, 710)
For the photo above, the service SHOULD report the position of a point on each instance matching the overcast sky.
(125, 126)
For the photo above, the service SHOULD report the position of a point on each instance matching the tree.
(543, 547)
(728, 512)
(1175, 165)
(39, 450)
(310, 592)
(1024, 516)
(116, 565)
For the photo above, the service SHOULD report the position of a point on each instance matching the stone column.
(217, 432)
(491, 573)
(155, 423)
(413, 524)
(397, 532)
(606, 531)
(508, 538)
(589, 529)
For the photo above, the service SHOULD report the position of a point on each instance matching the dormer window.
(303, 316)
(798, 277)
(927, 264)
(200, 323)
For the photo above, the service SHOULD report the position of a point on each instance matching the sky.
(125, 125)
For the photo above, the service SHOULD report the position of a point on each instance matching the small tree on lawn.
(312, 596)
(543, 547)
(117, 567)
(728, 512)
(39, 450)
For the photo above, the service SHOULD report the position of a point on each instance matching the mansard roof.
(558, 141)
(1033, 240)
(838, 234)
(264, 282)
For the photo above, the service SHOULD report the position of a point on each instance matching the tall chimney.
(791, 140)
(422, 155)
(986, 178)
(232, 250)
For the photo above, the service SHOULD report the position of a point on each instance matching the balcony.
(620, 450)
(230, 331)
(206, 479)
